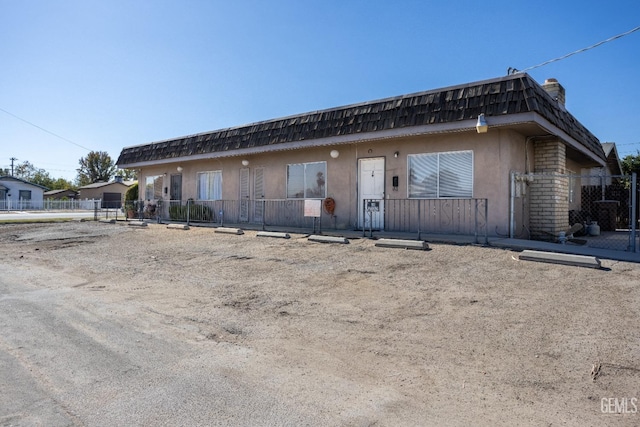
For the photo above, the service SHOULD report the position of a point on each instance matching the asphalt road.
(68, 359)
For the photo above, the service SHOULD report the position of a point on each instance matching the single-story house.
(16, 193)
(67, 194)
(425, 156)
(612, 167)
(603, 194)
(111, 193)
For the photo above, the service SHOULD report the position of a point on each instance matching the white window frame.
(153, 187)
(439, 158)
(306, 189)
(214, 183)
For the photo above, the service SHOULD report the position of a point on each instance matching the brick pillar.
(549, 191)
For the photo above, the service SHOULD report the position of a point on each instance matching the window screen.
(441, 175)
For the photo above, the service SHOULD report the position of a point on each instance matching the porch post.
(549, 206)
(475, 229)
(419, 220)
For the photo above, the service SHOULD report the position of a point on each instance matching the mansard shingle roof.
(511, 94)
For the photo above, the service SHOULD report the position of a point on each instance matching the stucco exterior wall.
(495, 155)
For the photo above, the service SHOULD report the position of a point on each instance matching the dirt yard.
(115, 325)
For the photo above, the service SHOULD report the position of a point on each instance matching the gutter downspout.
(512, 201)
(512, 197)
(527, 170)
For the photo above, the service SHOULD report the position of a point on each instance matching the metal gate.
(604, 205)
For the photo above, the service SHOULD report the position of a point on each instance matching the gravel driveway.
(107, 325)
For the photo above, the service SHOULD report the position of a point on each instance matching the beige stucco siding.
(495, 155)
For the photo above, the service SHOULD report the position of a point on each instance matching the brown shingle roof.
(13, 178)
(512, 94)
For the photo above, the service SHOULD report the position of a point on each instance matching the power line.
(511, 70)
(45, 130)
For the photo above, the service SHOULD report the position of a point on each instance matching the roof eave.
(438, 128)
(614, 150)
(432, 129)
(13, 178)
(569, 140)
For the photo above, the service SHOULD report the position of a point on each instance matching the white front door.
(371, 191)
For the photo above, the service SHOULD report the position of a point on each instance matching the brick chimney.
(555, 89)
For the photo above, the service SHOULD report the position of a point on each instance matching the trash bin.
(607, 214)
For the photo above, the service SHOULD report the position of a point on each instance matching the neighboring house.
(111, 193)
(16, 193)
(603, 196)
(422, 150)
(602, 175)
(61, 194)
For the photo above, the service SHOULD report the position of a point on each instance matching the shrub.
(130, 197)
(132, 193)
(196, 213)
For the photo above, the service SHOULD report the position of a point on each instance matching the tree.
(631, 163)
(27, 171)
(62, 184)
(96, 166)
(127, 174)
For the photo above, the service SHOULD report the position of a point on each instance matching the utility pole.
(13, 159)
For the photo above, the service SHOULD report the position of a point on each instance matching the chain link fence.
(604, 206)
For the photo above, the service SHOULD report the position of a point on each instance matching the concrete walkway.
(455, 239)
(501, 242)
(520, 244)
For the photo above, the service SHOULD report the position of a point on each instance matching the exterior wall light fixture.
(179, 168)
(245, 162)
(482, 125)
(334, 154)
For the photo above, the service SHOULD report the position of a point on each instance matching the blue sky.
(111, 74)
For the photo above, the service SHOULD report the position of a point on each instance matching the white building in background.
(16, 193)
